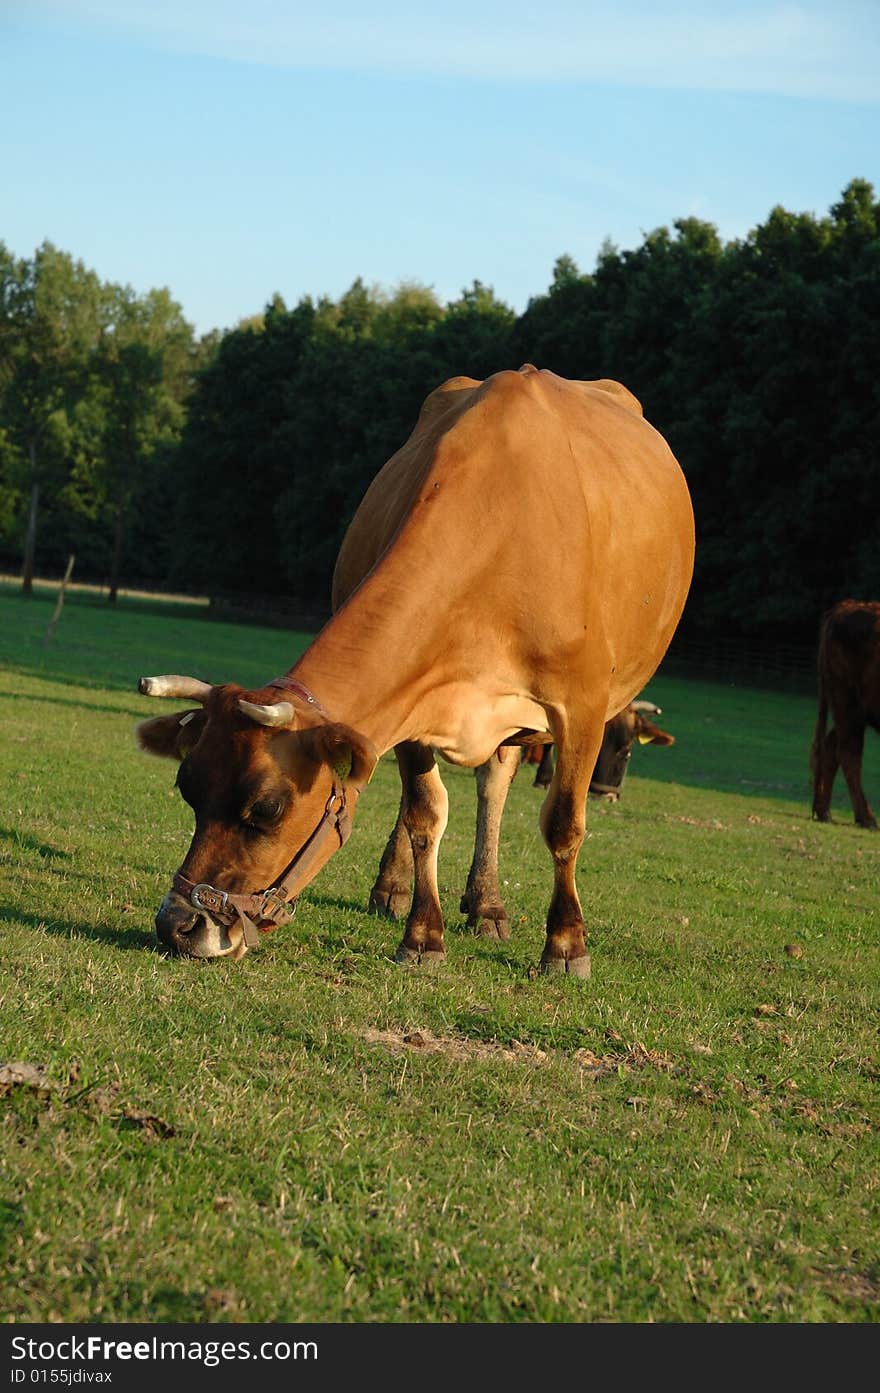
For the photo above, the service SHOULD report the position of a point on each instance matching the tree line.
(233, 463)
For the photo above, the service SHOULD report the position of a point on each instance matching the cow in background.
(621, 733)
(849, 689)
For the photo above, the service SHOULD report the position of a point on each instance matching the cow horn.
(279, 713)
(647, 706)
(172, 685)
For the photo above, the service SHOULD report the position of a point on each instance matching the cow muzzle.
(193, 933)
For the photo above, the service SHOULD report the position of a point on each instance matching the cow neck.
(368, 663)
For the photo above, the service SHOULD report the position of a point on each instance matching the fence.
(752, 661)
(274, 611)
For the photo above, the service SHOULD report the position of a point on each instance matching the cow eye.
(265, 811)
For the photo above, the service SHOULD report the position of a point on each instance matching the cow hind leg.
(563, 824)
(825, 764)
(544, 771)
(424, 810)
(481, 901)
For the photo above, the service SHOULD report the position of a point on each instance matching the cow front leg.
(563, 824)
(424, 810)
(481, 901)
(825, 764)
(392, 892)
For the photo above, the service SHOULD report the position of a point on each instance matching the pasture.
(317, 1134)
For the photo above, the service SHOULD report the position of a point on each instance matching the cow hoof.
(579, 967)
(573, 967)
(498, 929)
(391, 904)
(429, 960)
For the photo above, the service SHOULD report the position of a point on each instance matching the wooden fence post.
(60, 602)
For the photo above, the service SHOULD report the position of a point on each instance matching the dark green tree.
(50, 321)
(228, 474)
(143, 370)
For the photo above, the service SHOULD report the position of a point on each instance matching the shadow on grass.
(491, 951)
(133, 1302)
(76, 702)
(494, 955)
(339, 902)
(26, 843)
(127, 939)
(12, 1218)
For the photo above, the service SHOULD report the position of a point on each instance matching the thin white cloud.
(810, 48)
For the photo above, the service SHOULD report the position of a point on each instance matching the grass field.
(317, 1134)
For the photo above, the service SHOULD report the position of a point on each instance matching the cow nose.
(174, 920)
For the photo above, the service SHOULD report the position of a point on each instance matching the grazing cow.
(517, 568)
(849, 687)
(621, 733)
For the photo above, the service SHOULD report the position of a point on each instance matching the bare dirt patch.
(455, 1047)
(850, 1285)
(463, 1050)
(94, 1101)
(19, 1074)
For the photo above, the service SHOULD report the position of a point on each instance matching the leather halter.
(264, 910)
(290, 684)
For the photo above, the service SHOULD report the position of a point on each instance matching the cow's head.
(262, 777)
(629, 726)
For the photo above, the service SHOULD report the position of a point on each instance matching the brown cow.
(518, 566)
(849, 687)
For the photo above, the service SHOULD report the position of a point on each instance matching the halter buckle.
(218, 901)
(275, 905)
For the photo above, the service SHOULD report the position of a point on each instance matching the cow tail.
(822, 715)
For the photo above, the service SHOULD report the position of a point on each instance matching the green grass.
(316, 1134)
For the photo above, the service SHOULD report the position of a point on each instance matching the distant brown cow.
(849, 687)
(621, 733)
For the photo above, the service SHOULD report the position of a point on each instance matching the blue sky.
(230, 150)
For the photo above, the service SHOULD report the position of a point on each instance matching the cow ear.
(171, 736)
(648, 734)
(351, 756)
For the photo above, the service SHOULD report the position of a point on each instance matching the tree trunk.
(30, 541)
(116, 562)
